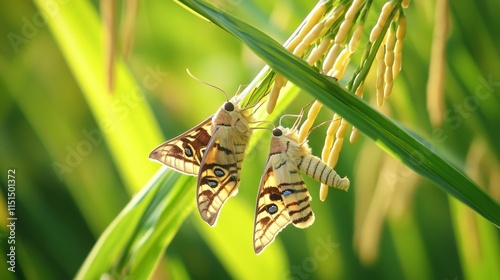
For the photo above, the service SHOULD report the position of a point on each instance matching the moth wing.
(271, 215)
(219, 173)
(283, 199)
(294, 192)
(184, 153)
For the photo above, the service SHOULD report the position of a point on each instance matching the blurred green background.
(75, 170)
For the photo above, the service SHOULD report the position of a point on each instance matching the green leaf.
(130, 226)
(124, 119)
(387, 134)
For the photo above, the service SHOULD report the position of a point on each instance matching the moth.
(213, 151)
(283, 197)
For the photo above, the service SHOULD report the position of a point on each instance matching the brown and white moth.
(283, 197)
(213, 151)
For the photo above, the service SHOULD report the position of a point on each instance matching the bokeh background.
(392, 224)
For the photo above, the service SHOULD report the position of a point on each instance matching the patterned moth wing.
(283, 197)
(213, 151)
(219, 175)
(270, 215)
(185, 152)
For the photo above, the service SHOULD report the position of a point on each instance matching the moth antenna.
(258, 102)
(266, 92)
(288, 115)
(264, 122)
(250, 107)
(237, 96)
(205, 83)
(301, 114)
(261, 128)
(239, 90)
(308, 104)
(255, 106)
(298, 120)
(321, 124)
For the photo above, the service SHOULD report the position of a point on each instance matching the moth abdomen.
(315, 168)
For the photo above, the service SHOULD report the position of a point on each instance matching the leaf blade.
(381, 129)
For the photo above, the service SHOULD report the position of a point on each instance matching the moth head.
(277, 132)
(228, 106)
(283, 134)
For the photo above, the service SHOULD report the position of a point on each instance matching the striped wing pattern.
(184, 153)
(270, 216)
(283, 199)
(293, 191)
(213, 151)
(219, 174)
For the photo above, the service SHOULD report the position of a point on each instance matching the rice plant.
(92, 88)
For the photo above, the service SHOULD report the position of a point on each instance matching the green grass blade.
(137, 238)
(125, 228)
(477, 242)
(391, 137)
(124, 118)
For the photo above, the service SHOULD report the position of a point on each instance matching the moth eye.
(188, 152)
(275, 196)
(277, 132)
(271, 208)
(228, 106)
(287, 192)
(212, 183)
(219, 172)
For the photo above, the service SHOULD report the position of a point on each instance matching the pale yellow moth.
(283, 197)
(213, 151)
